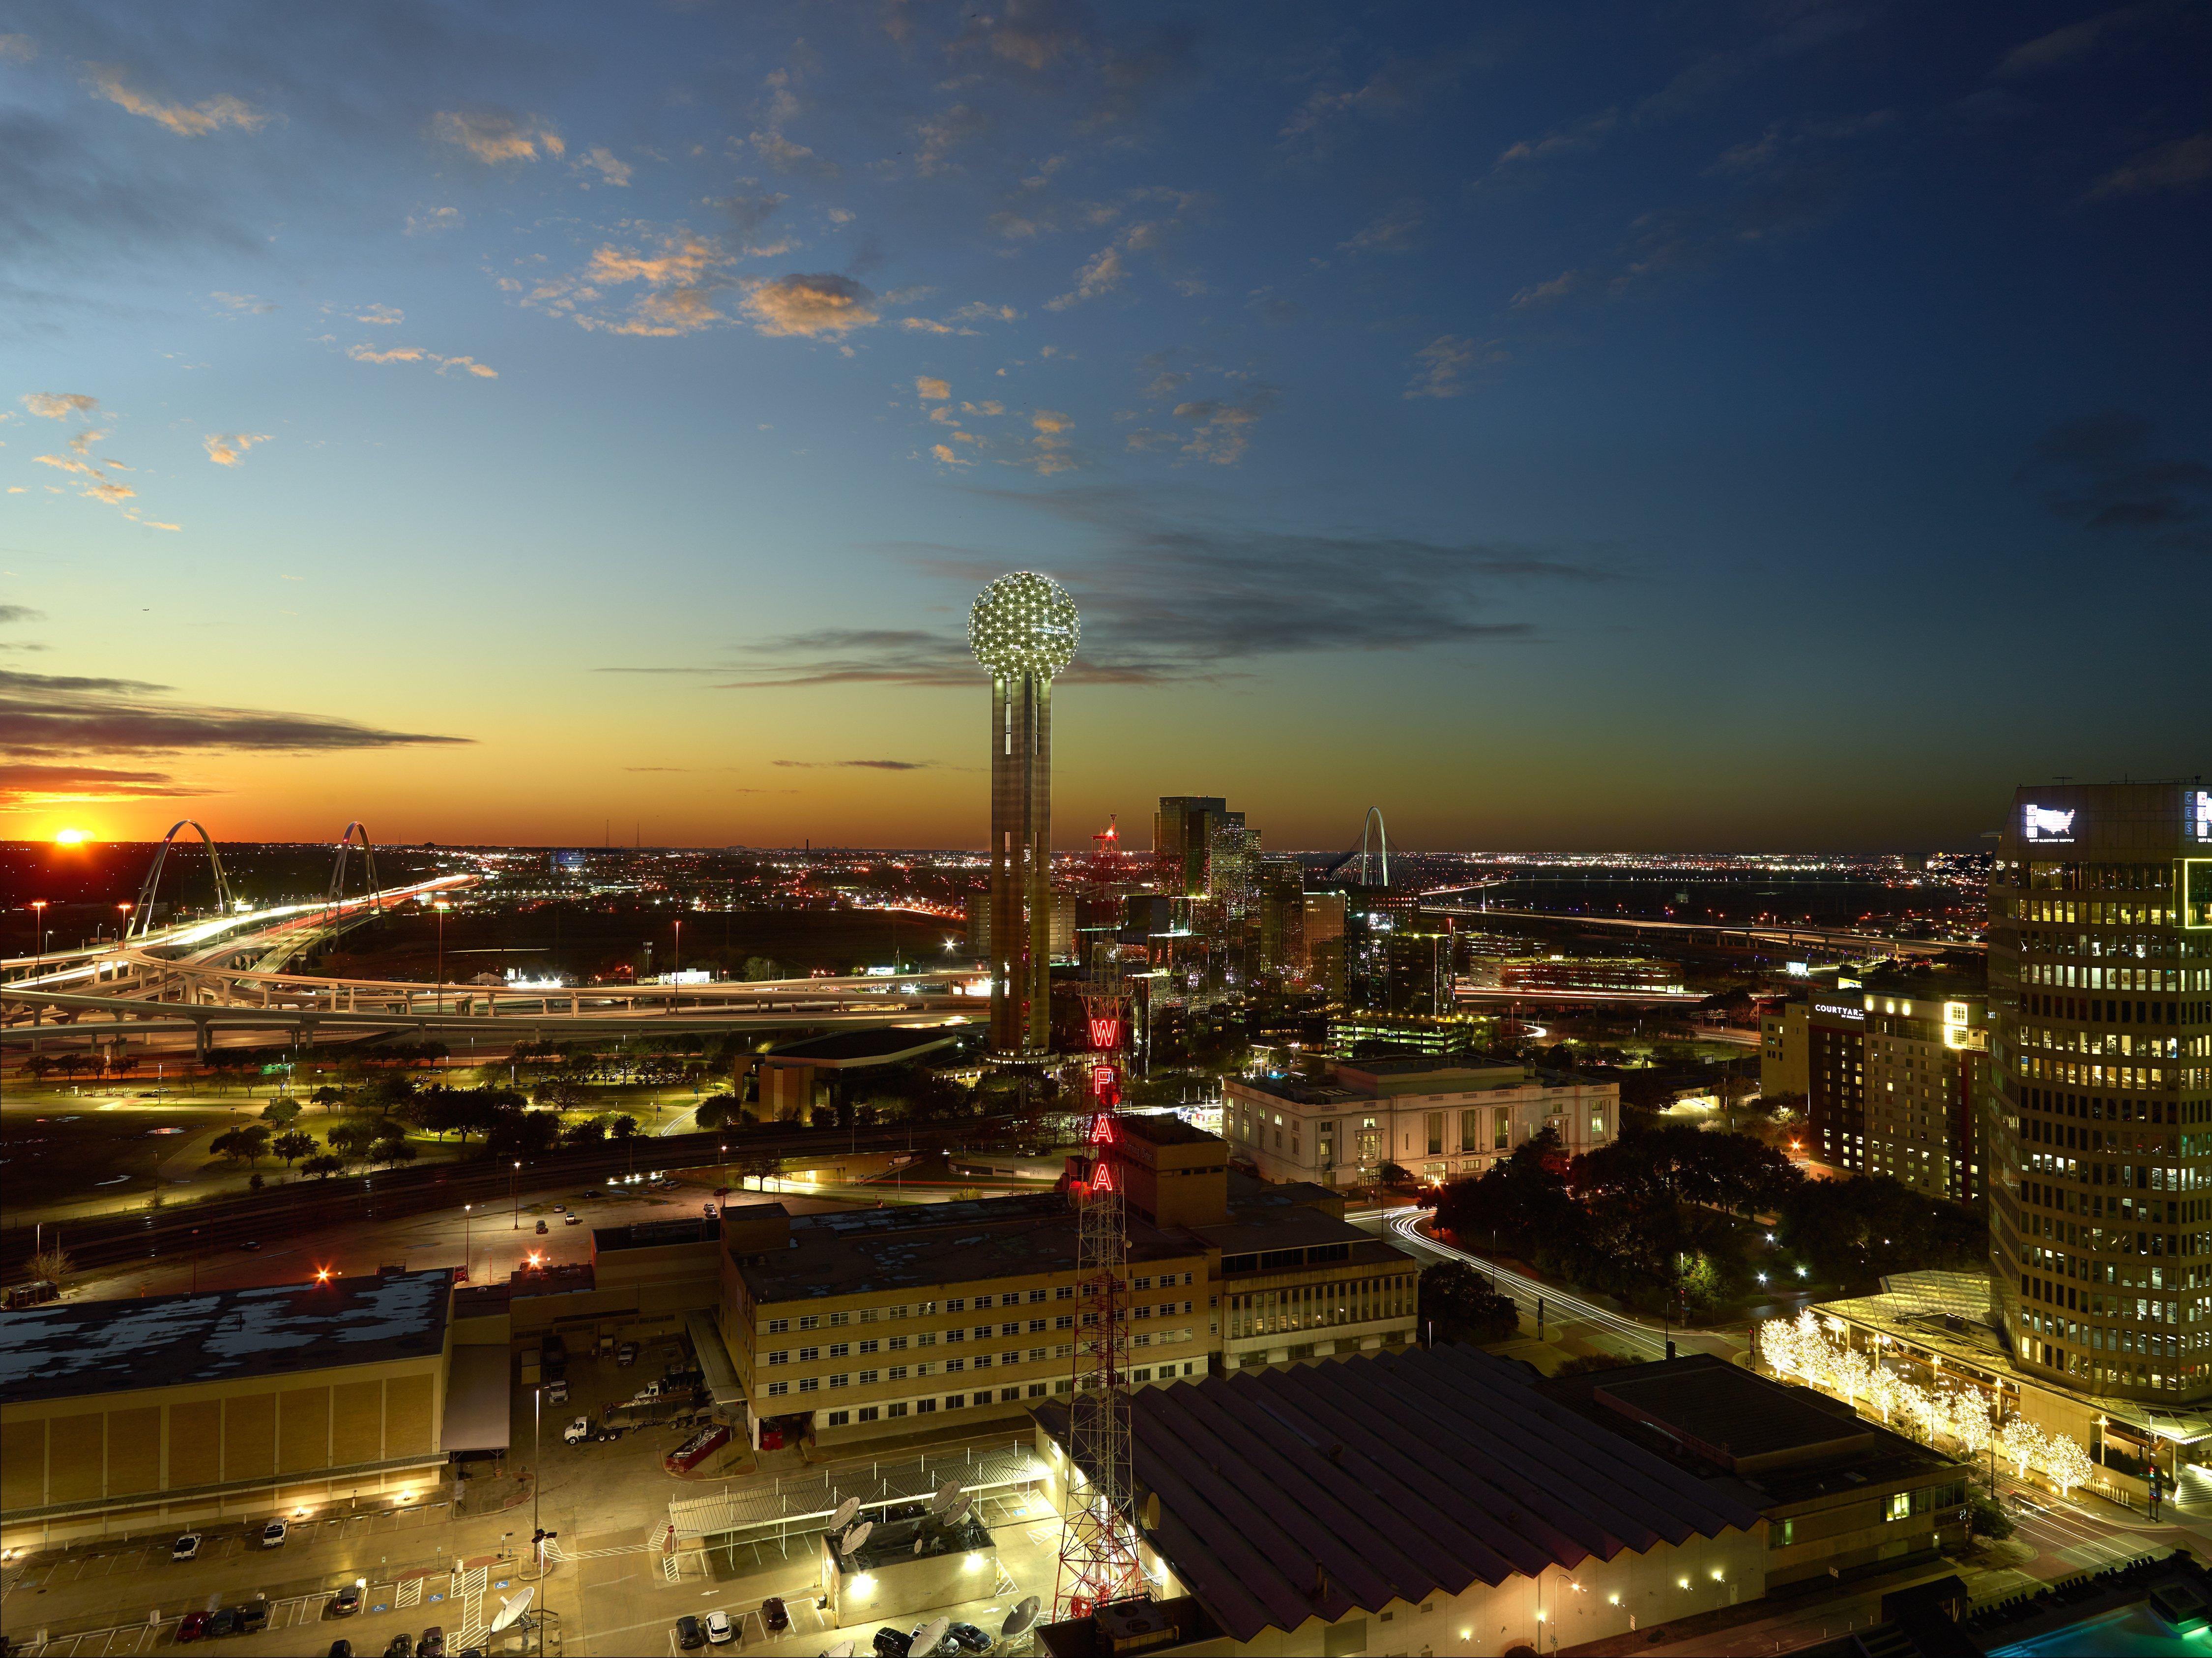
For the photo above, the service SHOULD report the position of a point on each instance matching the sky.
(1717, 426)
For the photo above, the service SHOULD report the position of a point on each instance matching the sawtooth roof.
(1315, 1490)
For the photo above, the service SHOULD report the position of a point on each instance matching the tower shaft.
(1021, 863)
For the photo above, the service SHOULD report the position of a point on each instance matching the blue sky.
(1698, 425)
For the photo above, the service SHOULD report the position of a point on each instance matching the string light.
(1023, 623)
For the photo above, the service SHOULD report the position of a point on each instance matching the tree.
(328, 1097)
(1395, 1174)
(280, 1112)
(55, 1265)
(247, 1143)
(352, 1138)
(717, 1111)
(392, 1153)
(623, 1127)
(582, 1136)
(324, 1164)
(292, 1144)
(1460, 1305)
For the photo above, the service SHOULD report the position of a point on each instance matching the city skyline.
(1727, 431)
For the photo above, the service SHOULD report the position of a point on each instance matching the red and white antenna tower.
(1098, 1537)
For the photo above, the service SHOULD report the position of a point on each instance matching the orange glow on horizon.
(71, 837)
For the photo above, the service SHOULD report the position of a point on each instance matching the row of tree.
(1656, 1216)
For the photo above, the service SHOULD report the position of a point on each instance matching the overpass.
(1721, 932)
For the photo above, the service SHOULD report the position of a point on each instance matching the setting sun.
(71, 837)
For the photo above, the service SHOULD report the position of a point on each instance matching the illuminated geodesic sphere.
(1023, 623)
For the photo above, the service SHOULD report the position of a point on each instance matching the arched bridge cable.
(1373, 837)
(141, 917)
(368, 863)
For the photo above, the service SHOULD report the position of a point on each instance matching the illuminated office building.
(2101, 987)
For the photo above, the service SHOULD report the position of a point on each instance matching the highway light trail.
(1558, 1303)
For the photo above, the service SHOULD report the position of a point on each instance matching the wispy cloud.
(185, 120)
(59, 405)
(432, 220)
(1397, 230)
(2184, 164)
(1441, 368)
(75, 716)
(493, 136)
(243, 304)
(862, 765)
(600, 160)
(2102, 472)
(465, 365)
(228, 449)
(810, 306)
(28, 786)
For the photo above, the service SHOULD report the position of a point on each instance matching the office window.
(955, 1401)
(808, 1355)
(1501, 1128)
(899, 1410)
(869, 1413)
(809, 1321)
(777, 1326)
(839, 1418)
(778, 1389)
(1435, 1122)
(957, 1304)
(809, 1384)
(782, 1356)
(1470, 1130)
(1900, 1506)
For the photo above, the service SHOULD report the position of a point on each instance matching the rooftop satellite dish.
(947, 1494)
(512, 1609)
(952, 1515)
(851, 1542)
(845, 1511)
(843, 1649)
(1019, 1619)
(929, 1636)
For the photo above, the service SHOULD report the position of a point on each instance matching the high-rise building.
(1182, 839)
(1024, 629)
(1926, 1046)
(1781, 1052)
(1282, 917)
(1835, 1076)
(2100, 990)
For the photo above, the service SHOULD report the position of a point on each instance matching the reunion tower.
(1023, 628)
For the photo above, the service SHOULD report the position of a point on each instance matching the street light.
(511, 1174)
(37, 935)
(466, 1218)
(441, 906)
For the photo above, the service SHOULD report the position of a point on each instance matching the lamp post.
(511, 1174)
(467, 1216)
(38, 936)
(441, 906)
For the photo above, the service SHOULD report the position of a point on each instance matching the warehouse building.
(1433, 1500)
(122, 1412)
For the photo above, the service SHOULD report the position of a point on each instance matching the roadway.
(1762, 932)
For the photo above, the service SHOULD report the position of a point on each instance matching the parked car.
(707, 1210)
(250, 1245)
(774, 1615)
(346, 1601)
(432, 1643)
(720, 1629)
(191, 1626)
(688, 1634)
(577, 1431)
(573, 1218)
(556, 1391)
(892, 1643)
(341, 1648)
(186, 1548)
(222, 1623)
(627, 1353)
(543, 1229)
(252, 1615)
(969, 1638)
(461, 1275)
(274, 1534)
(401, 1645)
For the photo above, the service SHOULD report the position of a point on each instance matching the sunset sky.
(1713, 425)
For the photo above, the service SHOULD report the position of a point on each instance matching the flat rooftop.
(859, 1252)
(1317, 1491)
(1162, 1129)
(72, 1348)
(655, 1235)
(1774, 1444)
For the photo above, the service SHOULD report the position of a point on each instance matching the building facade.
(858, 1325)
(1927, 1087)
(1783, 1068)
(1438, 1118)
(1835, 1077)
(2100, 979)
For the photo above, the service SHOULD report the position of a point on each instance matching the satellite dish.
(512, 1609)
(947, 1494)
(928, 1637)
(952, 1515)
(918, 1542)
(843, 1649)
(1019, 1619)
(852, 1540)
(845, 1511)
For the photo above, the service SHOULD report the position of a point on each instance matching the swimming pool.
(2133, 1631)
